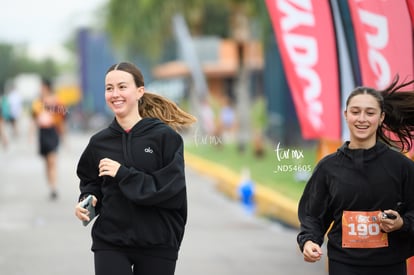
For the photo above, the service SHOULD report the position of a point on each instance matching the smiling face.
(122, 94)
(363, 116)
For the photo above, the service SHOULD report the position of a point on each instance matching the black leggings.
(112, 262)
(336, 268)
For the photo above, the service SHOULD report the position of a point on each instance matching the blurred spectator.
(49, 115)
(14, 101)
(207, 118)
(3, 138)
(227, 123)
(5, 107)
(259, 121)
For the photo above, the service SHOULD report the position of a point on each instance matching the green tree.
(144, 26)
(13, 61)
(7, 64)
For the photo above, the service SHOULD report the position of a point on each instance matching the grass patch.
(279, 168)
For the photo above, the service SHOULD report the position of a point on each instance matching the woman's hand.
(390, 225)
(83, 213)
(312, 252)
(108, 167)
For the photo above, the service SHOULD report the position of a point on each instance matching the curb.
(269, 203)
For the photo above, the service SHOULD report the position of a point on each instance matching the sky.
(44, 25)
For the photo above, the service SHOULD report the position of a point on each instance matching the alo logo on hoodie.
(148, 150)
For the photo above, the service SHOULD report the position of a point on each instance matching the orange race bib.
(360, 229)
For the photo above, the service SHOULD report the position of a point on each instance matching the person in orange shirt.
(49, 115)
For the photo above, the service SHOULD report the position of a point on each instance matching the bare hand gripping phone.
(388, 216)
(87, 203)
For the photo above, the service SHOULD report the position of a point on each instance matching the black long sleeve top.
(358, 180)
(144, 207)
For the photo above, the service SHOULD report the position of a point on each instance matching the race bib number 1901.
(360, 229)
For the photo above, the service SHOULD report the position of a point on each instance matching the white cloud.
(43, 25)
(54, 51)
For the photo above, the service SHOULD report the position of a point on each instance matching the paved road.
(39, 236)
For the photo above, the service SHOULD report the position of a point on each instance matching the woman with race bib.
(363, 194)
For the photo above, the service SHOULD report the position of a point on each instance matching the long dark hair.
(397, 103)
(153, 105)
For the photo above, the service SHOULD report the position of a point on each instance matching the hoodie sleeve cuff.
(406, 225)
(122, 173)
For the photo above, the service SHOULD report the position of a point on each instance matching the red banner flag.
(306, 40)
(383, 36)
(410, 5)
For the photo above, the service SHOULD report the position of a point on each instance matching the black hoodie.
(144, 207)
(358, 180)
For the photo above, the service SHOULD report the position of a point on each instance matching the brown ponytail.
(153, 105)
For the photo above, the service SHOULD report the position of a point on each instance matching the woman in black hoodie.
(134, 169)
(365, 191)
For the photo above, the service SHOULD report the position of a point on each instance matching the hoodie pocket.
(150, 228)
